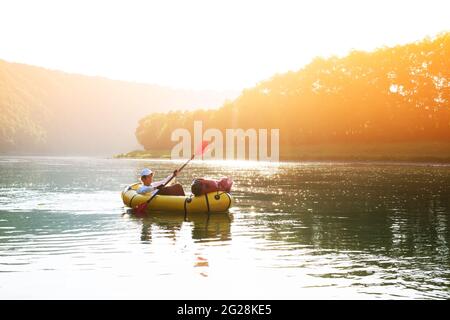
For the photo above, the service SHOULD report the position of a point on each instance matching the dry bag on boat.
(201, 186)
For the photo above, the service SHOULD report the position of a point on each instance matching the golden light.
(204, 44)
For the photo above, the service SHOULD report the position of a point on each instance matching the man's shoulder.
(143, 189)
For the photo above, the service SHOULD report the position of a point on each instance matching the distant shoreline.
(423, 152)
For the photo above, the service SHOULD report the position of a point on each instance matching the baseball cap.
(146, 172)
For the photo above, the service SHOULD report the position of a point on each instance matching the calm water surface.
(296, 231)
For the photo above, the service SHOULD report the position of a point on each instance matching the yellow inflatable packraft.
(217, 201)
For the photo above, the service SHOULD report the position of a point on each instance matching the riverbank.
(438, 152)
(143, 154)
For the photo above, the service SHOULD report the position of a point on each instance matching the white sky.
(205, 44)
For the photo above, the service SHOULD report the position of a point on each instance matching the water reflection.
(203, 227)
(184, 231)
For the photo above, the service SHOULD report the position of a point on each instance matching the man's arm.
(165, 181)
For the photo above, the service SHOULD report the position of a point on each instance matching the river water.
(295, 231)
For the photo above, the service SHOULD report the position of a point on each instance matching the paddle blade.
(140, 209)
(201, 148)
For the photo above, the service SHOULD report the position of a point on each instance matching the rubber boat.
(212, 202)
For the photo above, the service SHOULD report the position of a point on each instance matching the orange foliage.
(399, 94)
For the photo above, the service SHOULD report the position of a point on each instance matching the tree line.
(392, 94)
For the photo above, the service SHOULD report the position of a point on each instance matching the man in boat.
(149, 186)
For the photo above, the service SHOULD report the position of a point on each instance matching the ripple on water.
(308, 229)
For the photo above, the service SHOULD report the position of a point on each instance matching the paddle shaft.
(181, 168)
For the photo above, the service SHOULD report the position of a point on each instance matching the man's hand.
(175, 173)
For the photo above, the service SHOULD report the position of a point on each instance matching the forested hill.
(52, 112)
(395, 94)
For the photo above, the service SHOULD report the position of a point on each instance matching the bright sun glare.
(203, 44)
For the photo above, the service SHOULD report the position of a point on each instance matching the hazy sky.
(205, 44)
